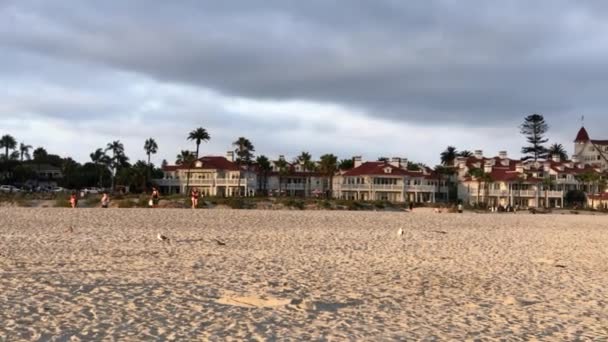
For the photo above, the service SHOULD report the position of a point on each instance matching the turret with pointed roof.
(582, 136)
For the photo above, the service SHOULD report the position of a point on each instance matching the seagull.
(400, 232)
(162, 238)
(220, 242)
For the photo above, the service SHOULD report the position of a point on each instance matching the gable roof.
(582, 136)
(376, 169)
(208, 163)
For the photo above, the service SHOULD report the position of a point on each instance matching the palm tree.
(184, 158)
(264, 167)
(40, 156)
(150, 147)
(547, 182)
(448, 156)
(558, 149)
(478, 175)
(102, 161)
(244, 156)
(445, 173)
(328, 165)
(118, 157)
(8, 143)
(346, 164)
(24, 151)
(487, 181)
(465, 154)
(305, 159)
(199, 135)
(282, 165)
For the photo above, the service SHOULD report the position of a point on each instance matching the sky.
(353, 77)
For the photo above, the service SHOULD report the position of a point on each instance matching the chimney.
(230, 156)
(396, 162)
(357, 161)
(404, 163)
(479, 154)
(502, 154)
(556, 158)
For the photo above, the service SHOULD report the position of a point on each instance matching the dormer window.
(198, 164)
(388, 170)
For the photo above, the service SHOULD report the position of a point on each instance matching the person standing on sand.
(460, 208)
(411, 206)
(155, 197)
(73, 199)
(105, 200)
(194, 195)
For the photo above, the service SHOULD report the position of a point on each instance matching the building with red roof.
(211, 175)
(500, 181)
(590, 151)
(388, 181)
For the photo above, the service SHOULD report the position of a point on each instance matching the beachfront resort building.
(388, 181)
(293, 179)
(502, 181)
(590, 151)
(212, 175)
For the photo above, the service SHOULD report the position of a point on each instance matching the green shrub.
(126, 203)
(62, 201)
(294, 203)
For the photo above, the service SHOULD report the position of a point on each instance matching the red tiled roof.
(602, 197)
(377, 169)
(600, 142)
(582, 135)
(209, 163)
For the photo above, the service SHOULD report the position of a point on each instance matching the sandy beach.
(93, 274)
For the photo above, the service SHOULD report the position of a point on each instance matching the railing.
(389, 187)
(516, 193)
(206, 182)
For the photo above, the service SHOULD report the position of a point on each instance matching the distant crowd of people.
(195, 194)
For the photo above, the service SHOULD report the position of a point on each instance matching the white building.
(590, 151)
(519, 183)
(387, 181)
(212, 175)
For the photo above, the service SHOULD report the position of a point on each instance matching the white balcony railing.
(388, 187)
(206, 182)
(517, 193)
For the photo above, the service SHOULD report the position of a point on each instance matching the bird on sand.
(162, 238)
(220, 243)
(400, 232)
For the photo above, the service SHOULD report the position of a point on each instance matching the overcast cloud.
(403, 78)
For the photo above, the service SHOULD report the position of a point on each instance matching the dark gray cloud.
(431, 63)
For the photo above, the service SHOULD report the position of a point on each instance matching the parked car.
(59, 189)
(9, 188)
(94, 191)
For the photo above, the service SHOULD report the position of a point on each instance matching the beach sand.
(316, 275)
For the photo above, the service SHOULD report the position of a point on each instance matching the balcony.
(421, 188)
(517, 193)
(387, 187)
(209, 182)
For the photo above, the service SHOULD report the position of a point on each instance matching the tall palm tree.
(305, 159)
(118, 157)
(558, 149)
(448, 156)
(445, 173)
(150, 147)
(198, 135)
(547, 182)
(102, 161)
(465, 154)
(244, 156)
(40, 156)
(328, 165)
(264, 168)
(24, 151)
(282, 166)
(478, 175)
(346, 164)
(184, 158)
(8, 143)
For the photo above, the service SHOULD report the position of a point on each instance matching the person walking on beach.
(460, 208)
(105, 200)
(411, 206)
(194, 195)
(73, 199)
(155, 197)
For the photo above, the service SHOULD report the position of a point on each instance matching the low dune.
(93, 274)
